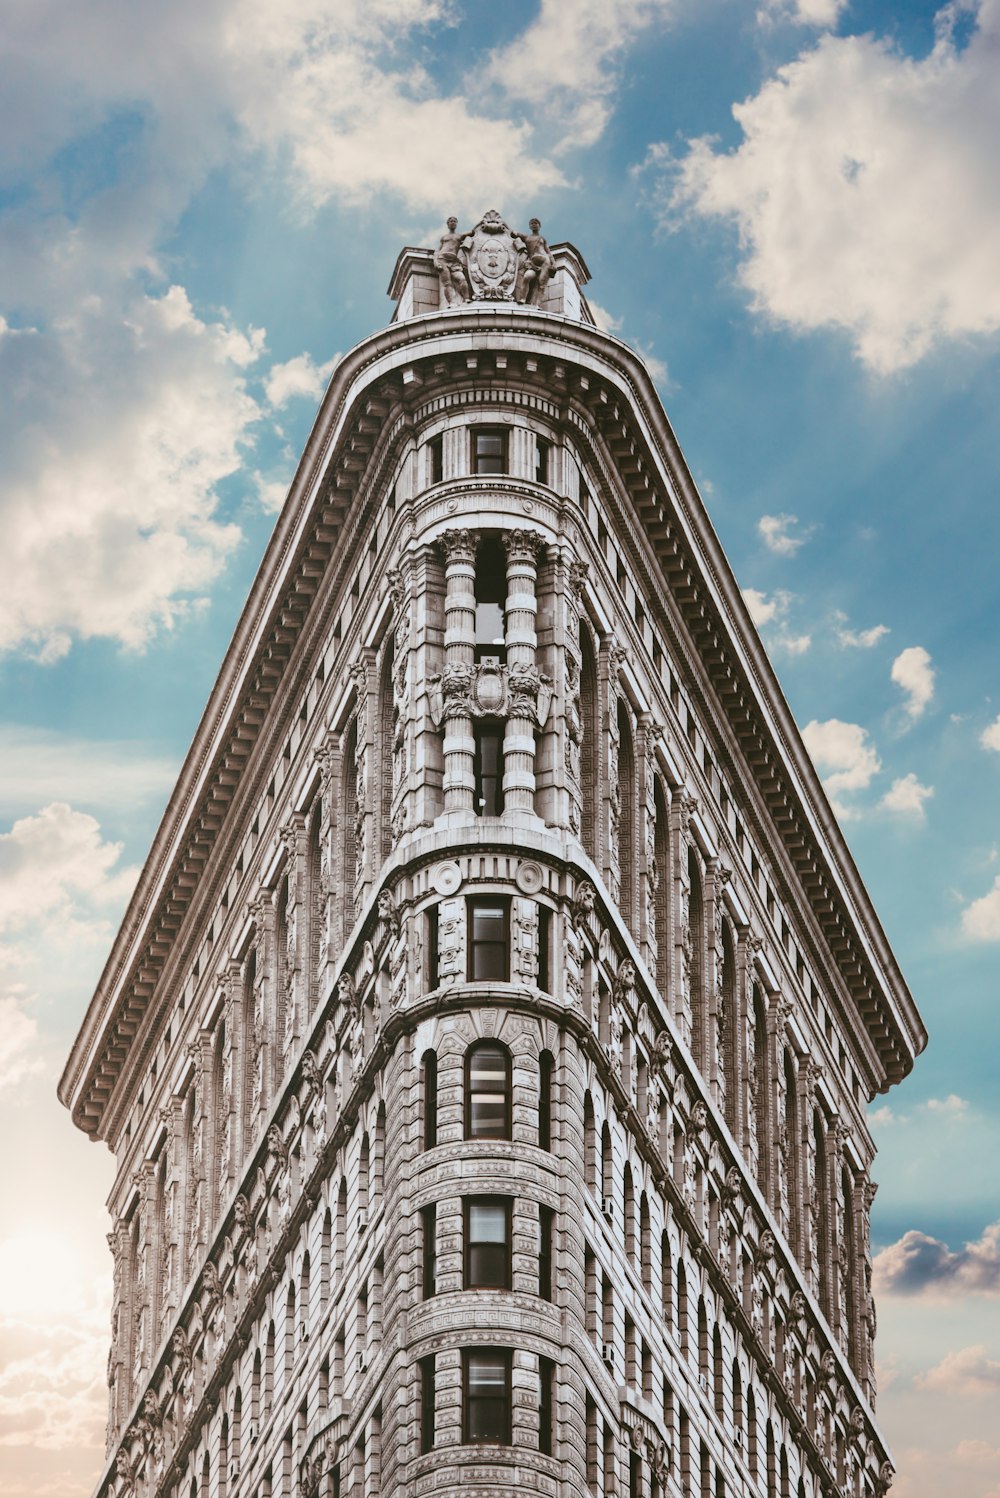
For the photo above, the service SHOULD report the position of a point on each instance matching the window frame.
(546, 1251)
(503, 1281)
(478, 1046)
(428, 1251)
(501, 1357)
(478, 459)
(428, 1403)
(479, 905)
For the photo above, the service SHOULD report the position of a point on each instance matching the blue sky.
(792, 208)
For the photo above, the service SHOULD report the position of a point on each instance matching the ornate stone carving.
(584, 905)
(763, 1254)
(387, 912)
(277, 1147)
(493, 262)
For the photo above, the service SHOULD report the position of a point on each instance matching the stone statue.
(536, 267)
(448, 264)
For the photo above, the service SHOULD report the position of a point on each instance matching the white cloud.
(865, 190)
(857, 639)
(271, 493)
(907, 796)
(119, 426)
(981, 918)
(845, 759)
(605, 320)
(990, 737)
(568, 62)
(763, 609)
(913, 672)
(298, 377)
(920, 1265)
(951, 1106)
(884, 1116)
(976, 1454)
(776, 533)
(820, 13)
(969, 1371)
(56, 867)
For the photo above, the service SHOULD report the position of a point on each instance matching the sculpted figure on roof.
(493, 262)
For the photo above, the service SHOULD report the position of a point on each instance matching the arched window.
(364, 1170)
(305, 1291)
(206, 1474)
(429, 1085)
(255, 1396)
(702, 1342)
(237, 1426)
(279, 988)
(590, 1143)
(737, 1398)
(772, 1464)
(590, 745)
(645, 1245)
(487, 1091)
(718, 1390)
(219, 1114)
(341, 1237)
(546, 1067)
(223, 1483)
(666, 1280)
(607, 1172)
(628, 1212)
(752, 1461)
(627, 815)
(661, 892)
(378, 1160)
(252, 1070)
(289, 1358)
(269, 1370)
(682, 1308)
(325, 1259)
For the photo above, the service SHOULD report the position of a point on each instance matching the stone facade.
(486, 1048)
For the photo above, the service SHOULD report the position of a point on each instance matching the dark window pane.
(488, 1095)
(489, 451)
(487, 1404)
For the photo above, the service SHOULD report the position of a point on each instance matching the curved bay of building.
(491, 1117)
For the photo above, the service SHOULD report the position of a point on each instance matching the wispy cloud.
(968, 1372)
(920, 1265)
(990, 737)
(777, 534)
(819, 13)
(913, 672)
(907, 797)
(857, 639)
(981, 917)
(773, 610)
(41, 766)
(298, 378)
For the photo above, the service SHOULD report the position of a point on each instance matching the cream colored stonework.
(690, 960)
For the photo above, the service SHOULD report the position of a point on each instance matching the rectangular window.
(428, 1223)
(544, 947)
(431, 920)
(488, 941)
(428, 1399)
(488, 769)
(487, 1243)
(486, 1387)
(546, 1389)
(489, 450)
(430, 1089)
(545, 1100)
(546, 1220)
(435, 460)
(542, 452)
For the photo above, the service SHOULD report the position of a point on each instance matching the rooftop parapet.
(490, 264)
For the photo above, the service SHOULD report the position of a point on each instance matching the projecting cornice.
(375, 384)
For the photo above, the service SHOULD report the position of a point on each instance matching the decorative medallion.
(529, 878)
(446, 878)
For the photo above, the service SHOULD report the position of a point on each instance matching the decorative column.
(736, 1084)
(118, 1400)
(459, 547)
(523, 681)
(810, 1242)
(291, 1000)
(682, 808)
(778, 1008)
(329, 780)
(650, 734)
(716, 879)
(398, 747)
(227, 1122)
(608, 666)
(574, 575)
(364, 676)
(866, 1356)
(260, 1036)
(170, 1237)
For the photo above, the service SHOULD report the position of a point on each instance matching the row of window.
(486, 1399)
(488, 455)
(488, 1239)
(488, 1094)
